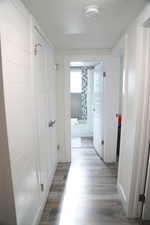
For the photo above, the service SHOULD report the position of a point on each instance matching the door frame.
(143, 125)
(145, 140)
(67, 115)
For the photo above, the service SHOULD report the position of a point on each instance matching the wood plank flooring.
(84, 193)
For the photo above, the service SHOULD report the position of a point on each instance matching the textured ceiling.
(67, 27)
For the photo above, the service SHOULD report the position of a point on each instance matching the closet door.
(51, 97)
(98, 109)
(42, 102)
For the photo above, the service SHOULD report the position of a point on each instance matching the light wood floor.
(84, 193)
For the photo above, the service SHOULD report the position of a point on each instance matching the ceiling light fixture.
(91, 10)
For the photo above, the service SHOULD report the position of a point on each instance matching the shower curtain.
(84, 72)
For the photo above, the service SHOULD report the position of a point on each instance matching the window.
(76, 81)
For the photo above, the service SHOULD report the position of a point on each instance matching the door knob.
(51, 123)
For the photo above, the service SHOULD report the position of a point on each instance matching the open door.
(98, 109)
(146, 204)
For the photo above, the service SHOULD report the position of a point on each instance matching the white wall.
(134, 86)
(76, 105)
(18, 81)
(7, 206)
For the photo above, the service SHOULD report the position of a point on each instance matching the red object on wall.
(119, 117)
(119, 120)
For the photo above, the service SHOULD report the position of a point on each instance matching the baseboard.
(41, 208)
(122, 197)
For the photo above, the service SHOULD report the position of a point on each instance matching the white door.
(146, 206)
(98, 110)
(51, 90)
(43, 112)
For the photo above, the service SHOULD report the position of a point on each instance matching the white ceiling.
(67, 27)
(85, 63)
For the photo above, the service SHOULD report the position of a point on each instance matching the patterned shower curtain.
(84, 71)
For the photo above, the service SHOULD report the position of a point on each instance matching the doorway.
(110, 71)
(86, 93)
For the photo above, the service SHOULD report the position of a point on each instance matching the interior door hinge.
(104, 74)
(56, 66)
(36, 48)
(142, 198)
(42, 187)
(102, 142)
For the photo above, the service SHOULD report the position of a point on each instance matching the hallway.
(74, 69)
(84, 193)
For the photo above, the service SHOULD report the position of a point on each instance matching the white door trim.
(67, 60)
(142, 128)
